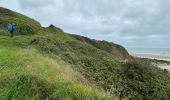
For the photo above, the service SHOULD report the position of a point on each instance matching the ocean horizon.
(153, 51)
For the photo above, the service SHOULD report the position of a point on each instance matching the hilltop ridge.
(24, 24)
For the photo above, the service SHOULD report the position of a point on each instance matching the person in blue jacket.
(11, 29)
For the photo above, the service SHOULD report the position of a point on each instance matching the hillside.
(45, 62)
(24, 25)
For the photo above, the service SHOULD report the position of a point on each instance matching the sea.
(153, 51)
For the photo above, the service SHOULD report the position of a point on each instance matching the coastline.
(152, 56)
(156, 57)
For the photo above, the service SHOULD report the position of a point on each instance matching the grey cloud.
(129, 22)
(94, 8)
(34, 3)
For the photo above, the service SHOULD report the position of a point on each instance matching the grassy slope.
(37, 65)
(24, 24)
(27, 74)
(114, 49)
(136, 79)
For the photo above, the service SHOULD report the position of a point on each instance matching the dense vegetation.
(137, 79)
(27, 74)
(49, 63)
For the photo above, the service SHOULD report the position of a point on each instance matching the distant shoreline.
(156, 57)
(152, 56)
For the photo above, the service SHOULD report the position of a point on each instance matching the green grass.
(114, 49)
(47, 62)
(23, 24)
(27, 74)
(69, 69)
(136, 79)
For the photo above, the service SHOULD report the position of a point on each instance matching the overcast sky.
(132, 23)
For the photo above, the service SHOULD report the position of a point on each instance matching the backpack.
(10, 27)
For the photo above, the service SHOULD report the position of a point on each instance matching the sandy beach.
(158, 57)
(164, 66)
(151, 56)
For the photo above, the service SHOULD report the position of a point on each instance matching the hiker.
(11, 29)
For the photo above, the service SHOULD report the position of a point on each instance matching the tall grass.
(25, 74)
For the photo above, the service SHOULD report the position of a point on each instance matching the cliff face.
(116, 50)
